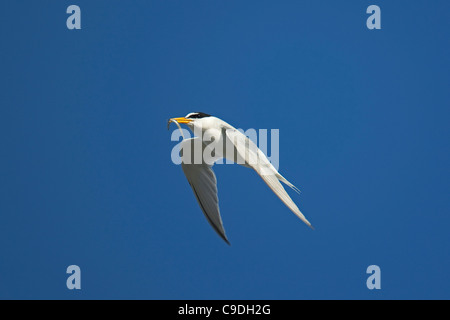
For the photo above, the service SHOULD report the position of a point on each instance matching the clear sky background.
(86, 176)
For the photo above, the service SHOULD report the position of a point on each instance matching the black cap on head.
(197, 115)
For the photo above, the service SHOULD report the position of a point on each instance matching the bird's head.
(192, 119)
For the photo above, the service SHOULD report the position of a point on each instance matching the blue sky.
(86, 174)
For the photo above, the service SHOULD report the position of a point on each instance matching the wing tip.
(307, 223)
(223, 237)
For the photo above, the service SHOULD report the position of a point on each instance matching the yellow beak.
(181, 120)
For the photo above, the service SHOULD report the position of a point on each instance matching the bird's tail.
(283, 179)
(273, 181)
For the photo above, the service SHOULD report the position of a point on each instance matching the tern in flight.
(201, 177)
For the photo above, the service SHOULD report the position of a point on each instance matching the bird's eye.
(197, 115)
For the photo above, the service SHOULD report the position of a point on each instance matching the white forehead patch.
(190, 114)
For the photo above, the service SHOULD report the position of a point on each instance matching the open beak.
(180, 120)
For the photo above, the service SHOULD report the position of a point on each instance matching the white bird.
(201, 177)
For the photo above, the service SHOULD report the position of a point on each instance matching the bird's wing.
(257, 160)
(203, 182)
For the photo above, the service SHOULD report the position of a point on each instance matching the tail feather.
(273, 182)
(283, 179)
